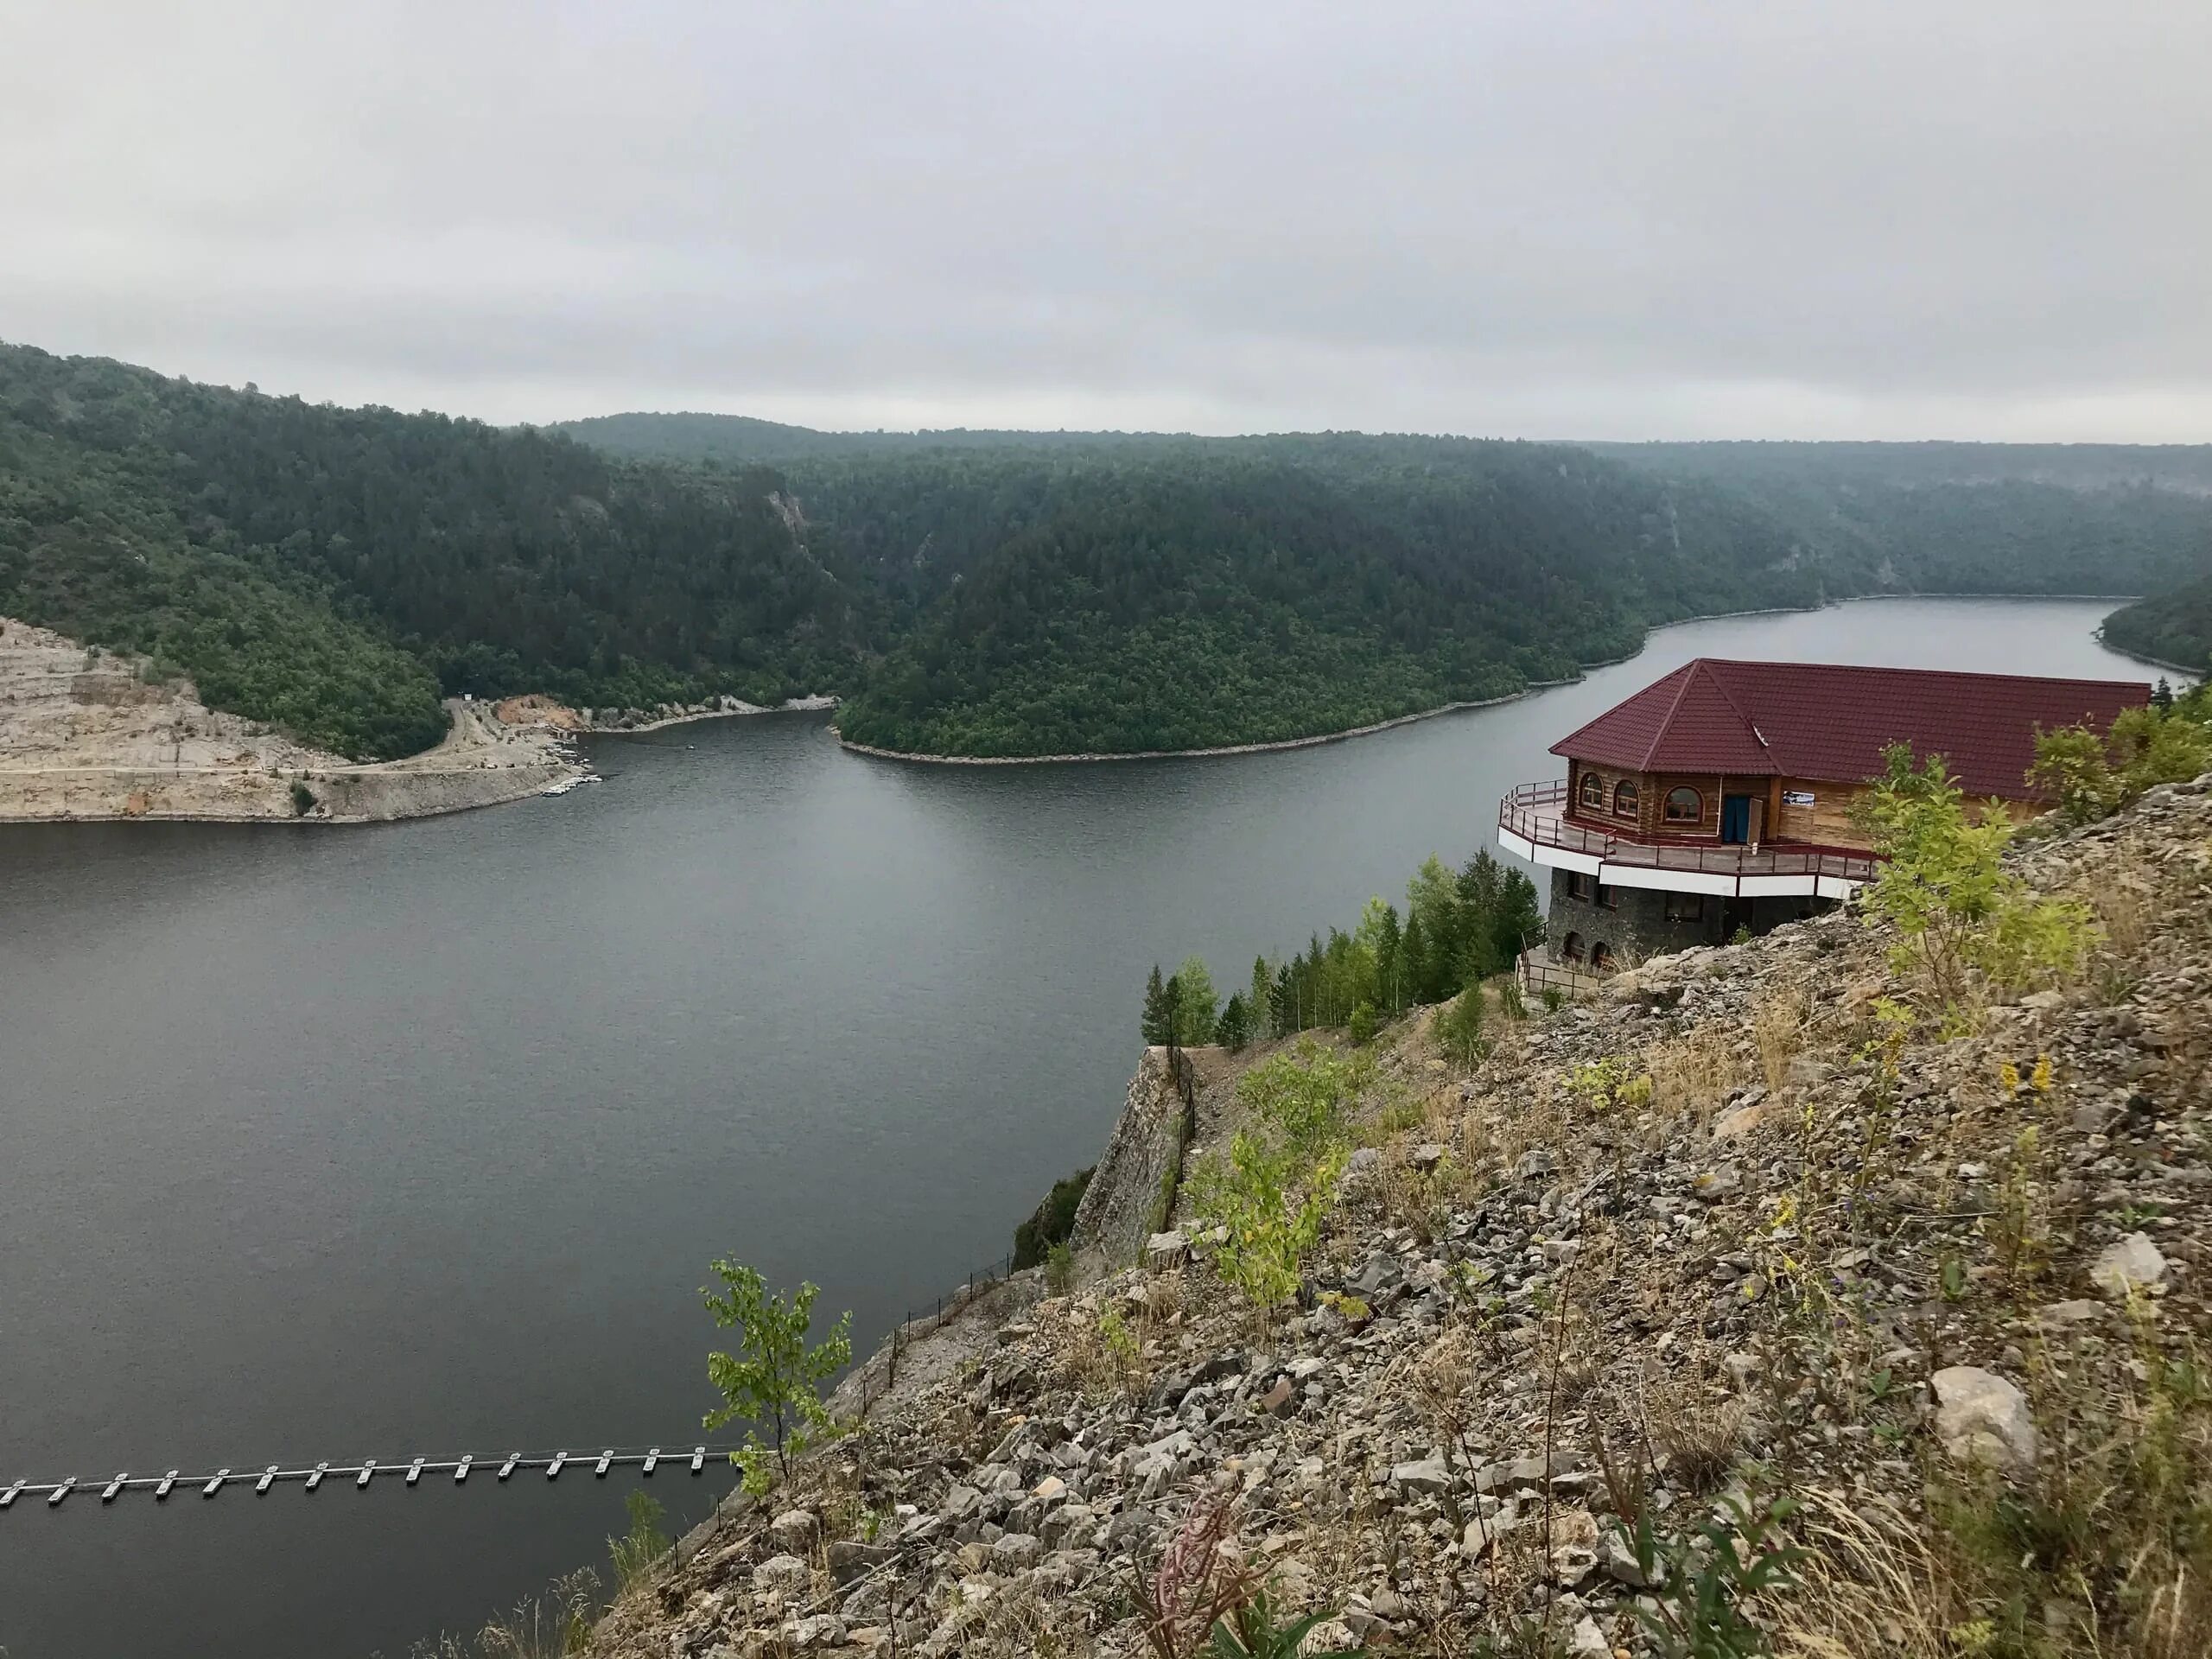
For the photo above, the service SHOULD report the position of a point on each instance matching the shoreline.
(2148, 661)
(1270, 747)
(813, 703)
(1584, 669)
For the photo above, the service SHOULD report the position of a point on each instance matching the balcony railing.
(1537, 813)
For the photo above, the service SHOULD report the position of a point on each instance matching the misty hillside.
(334, 571)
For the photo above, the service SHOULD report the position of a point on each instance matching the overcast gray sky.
(1622, 219)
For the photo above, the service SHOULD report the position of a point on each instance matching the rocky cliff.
(1750, 1230)
(88, 735)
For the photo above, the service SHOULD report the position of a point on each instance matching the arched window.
(1624, 799)
(1594, 791)
(1601, 958)
(1685, 805)
(1571, 947)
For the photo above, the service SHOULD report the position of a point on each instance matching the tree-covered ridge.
(2170, 627)
(1185, 593)
(332, 569)
(1968, 517)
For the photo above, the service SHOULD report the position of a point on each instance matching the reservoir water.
(417, 1139)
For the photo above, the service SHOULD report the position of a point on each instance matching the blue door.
(1736, 818)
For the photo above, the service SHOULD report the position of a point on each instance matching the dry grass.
(554, 1624)
(1691, 1075)
(1699, 1436)
(1116, 1352)
(1872, 1584)
(1781, 1027)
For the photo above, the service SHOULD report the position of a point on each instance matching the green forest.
(336, 571)
(2174, 626)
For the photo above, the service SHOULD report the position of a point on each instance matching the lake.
(417, 1139)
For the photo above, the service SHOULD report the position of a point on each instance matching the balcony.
(1533, 824)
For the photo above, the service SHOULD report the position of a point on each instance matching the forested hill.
(2170, 627)
(1173, 593)
(1970, 517)
(332, 571)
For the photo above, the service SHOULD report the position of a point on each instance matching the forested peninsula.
(2174, 627)
(334, 572)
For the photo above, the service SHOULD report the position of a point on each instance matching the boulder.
(2132, 1266)
(794, 1530)
(1424, 1475)
(786, 1574)
(1164, 1250)
(1983, 1420)
(1017, 1552)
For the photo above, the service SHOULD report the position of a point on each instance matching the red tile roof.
(1829, 721)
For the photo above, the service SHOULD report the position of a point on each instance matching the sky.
(1635, 218)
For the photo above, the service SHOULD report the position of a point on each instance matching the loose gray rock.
(1423, 1475)
(1017, 1552)
(1982, 1419)
(2134, 1264)
(785, 1573)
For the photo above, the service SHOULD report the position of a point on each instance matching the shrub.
(1279, 1182)
(1944, 887)
(1459, 1027)
(302, 800)
(1059, 1269)
(1053, 1221)
(1704, 1580)
(774, 1380)
(1361, 1029)
(2095, 776)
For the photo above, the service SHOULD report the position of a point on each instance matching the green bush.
(1459, 1027)
(773, 1381)
(2094, 777)
(1054, 1221)
(1943, 886)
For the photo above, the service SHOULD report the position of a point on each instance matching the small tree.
(1158, 1020)
(774, 1381)
(1233, 1029)
(1197, 1004)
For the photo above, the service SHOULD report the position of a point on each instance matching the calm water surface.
(416, 1138)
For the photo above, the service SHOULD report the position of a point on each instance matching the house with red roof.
(1720, 797)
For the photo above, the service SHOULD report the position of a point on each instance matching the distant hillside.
(332, 571)
(1971, 517)
(2171, 627)
(1175, 593)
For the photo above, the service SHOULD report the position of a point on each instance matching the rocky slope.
(87, 734)
(1740, 1230)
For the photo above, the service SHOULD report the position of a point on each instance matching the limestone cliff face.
(1123, 1202)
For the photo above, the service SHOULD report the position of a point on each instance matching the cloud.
(1878, 218)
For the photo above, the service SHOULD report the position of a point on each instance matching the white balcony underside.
(1615, 874)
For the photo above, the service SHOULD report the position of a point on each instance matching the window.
(1580, 886)
(1601, 958)
(1685, 805)
(1594, 791)
(1685, 906)
(1609, 897)
(1624, 799)
(1571, 947)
